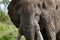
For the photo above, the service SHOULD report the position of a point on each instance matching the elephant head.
(26, 15)
(29, 17)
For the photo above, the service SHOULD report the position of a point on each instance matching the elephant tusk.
(39, 36)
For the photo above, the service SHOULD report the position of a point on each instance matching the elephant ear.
(14, 16)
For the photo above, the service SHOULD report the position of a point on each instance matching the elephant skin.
(48, 10)
(25, 19)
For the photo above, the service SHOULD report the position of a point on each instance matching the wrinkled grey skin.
(29, 18)
(51, 16)
(49, 12)
(28, 22)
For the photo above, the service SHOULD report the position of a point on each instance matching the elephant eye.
(37, 16)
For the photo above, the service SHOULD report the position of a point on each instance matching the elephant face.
(28, 12)
(25, 16)
(29, 18)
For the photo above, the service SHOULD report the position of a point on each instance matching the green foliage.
(8, 32)
(3, 16)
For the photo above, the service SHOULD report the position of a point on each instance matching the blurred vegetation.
(7, 30)
(3, 16)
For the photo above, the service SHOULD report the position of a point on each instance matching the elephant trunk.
(26, 17)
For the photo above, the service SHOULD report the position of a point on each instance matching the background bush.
(7, 30)
(3, 16)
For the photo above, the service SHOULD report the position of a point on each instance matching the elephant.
(26, 22)
(47, 11)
